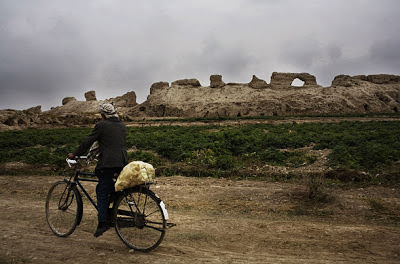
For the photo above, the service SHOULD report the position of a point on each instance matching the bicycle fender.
(162, 205)
(160, 202)
(165, 212)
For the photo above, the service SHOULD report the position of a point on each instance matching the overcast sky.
(53, 49)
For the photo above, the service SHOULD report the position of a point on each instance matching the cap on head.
(108, 110)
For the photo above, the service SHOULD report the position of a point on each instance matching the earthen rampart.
(378, 93)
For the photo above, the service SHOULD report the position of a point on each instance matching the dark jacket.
(111, 135)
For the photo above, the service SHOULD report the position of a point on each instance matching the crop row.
(367, 146)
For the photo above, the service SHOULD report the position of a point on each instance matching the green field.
(224, 151)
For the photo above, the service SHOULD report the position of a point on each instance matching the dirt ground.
(218, 221)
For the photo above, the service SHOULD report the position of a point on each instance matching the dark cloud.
(53, 49)
(215, 58)
(327, 61)
(386, 53)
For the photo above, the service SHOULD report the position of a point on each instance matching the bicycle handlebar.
(73, 161)
(70, 161)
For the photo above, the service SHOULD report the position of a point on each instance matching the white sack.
(136, 172)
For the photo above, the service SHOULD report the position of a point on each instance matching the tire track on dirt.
(214, 225)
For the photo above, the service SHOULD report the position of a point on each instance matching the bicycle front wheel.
(63, 208)
(139, 219)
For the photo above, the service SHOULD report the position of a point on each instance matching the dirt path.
(218, 221)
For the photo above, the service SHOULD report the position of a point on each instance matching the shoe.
(101, 228)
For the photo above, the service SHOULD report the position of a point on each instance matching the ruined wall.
(216, 81)
(348, 81)
(257, 83)
(379, 93)
(357, 94)
(278, 81)
(90, 96)
(285, 79)
(66, 100)
(72, 112)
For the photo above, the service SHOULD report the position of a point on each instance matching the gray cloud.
(386, 53)
(53, 49)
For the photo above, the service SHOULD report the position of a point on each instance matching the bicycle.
(138, 215)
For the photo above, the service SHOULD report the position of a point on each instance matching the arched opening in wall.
(297, 83)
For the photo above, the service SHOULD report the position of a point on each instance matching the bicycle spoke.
(71, 212)
(125, 212)
(62, 208)
(144, 206)
(138, 202)
(155, 211)
(133, 202)
(140, 221)
(152, 222)
(155, 228)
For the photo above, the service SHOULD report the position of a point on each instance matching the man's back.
(111, 135)
(112, 143)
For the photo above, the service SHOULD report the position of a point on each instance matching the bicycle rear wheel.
(139, 219)
(63, 208)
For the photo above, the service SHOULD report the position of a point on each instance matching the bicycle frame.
(138, 214)
(76, 181)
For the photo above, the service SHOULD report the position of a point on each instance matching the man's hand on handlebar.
(71, 156)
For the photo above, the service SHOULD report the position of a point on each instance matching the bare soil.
(218, 221)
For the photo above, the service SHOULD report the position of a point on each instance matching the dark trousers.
(103, 190)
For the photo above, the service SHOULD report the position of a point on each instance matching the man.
(110, 133)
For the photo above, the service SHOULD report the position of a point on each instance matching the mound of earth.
(346, 95)
(188, 98)
(72, 112)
